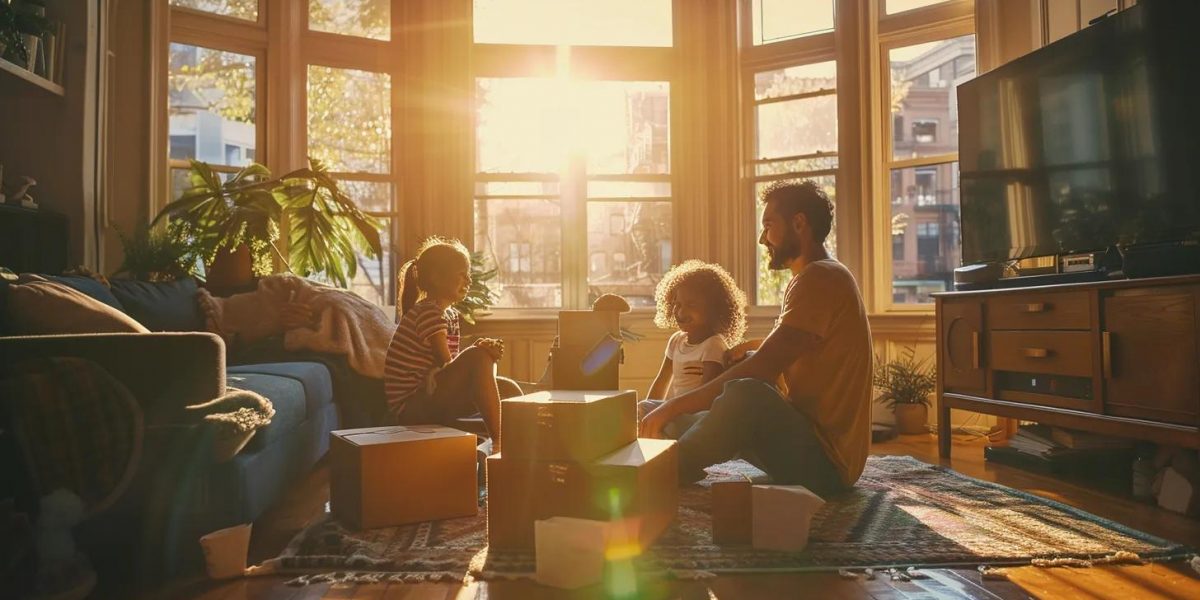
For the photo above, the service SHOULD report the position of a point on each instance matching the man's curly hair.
(716, 284)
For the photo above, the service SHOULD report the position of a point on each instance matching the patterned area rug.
(901, 513)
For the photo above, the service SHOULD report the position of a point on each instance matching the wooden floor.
(1176, 580)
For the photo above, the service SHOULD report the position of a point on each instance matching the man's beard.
(784, 253)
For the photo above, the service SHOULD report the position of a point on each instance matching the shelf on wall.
(29, 76)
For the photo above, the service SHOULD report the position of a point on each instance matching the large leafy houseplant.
(904, 385)
(325, 228)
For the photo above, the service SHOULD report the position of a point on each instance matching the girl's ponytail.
(409, 291)
(433, 257)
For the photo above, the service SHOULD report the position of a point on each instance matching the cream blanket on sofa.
(345, 323)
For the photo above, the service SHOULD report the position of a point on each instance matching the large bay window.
(561, 171)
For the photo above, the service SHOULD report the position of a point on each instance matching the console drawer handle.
(1035, 352)
(1036, 307)
(975, 350)
(1107, 350)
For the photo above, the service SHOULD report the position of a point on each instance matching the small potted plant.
(480, 296)
(159, 254)
(904, 385)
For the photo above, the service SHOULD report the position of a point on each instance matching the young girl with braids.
(427, 379)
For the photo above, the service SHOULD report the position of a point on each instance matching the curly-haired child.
(704, 303)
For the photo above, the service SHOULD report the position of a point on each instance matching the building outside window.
(923, 170)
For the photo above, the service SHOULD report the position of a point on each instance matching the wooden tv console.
(1117, 358)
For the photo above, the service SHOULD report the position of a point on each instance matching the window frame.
(863, 34)
(948, 20)
(755, 59)
(219, 33)
(583, 63)
(349, 52)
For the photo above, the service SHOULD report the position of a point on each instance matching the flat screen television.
(1089, 143)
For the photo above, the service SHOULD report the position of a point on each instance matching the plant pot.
(31, 46)
(911, 418)
(231, 270)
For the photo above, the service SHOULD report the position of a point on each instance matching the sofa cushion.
(314, 377)
(37, 306)
(286, 396)
(89, 286)
(166, 306)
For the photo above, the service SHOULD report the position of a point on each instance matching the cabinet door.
(1151, 364)
(959, 358)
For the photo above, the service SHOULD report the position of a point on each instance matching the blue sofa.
(179, 492)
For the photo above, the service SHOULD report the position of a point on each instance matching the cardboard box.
(562, 425)
(587, 355)
(732, 510)
(586, 367)
(570, 553)
(782, 515)
(386, 476)
(1178, 493)
(635, 488)
(586, 327)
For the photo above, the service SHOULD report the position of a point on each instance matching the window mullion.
(574, 215)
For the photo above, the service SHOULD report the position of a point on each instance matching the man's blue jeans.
(752, 420)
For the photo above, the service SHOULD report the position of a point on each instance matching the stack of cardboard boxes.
(577, 454)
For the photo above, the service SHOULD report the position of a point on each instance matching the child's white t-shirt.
(684, 355)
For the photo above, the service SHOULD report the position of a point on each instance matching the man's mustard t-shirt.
(832, 384)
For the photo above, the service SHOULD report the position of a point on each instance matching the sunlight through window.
(574, 22)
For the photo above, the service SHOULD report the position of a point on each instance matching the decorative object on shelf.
(241, 217)
(19, 194)
(22, 22)
(160, 254)
(904, 386)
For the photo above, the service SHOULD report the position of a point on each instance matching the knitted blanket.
(237, 415)
(345, 324)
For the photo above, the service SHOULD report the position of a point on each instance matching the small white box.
(570, 552)
(782, 515)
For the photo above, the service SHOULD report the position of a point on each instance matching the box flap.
(570, 396)
(637, 453)
(798, 493)
(369, 436)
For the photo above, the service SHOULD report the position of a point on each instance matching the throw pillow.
(37, 306)
(165, 306)
(89, 286)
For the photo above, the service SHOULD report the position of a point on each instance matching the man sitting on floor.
(816, 432)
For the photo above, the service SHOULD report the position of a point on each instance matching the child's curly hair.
(716, 284)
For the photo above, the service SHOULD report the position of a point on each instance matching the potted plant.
(159, 254)
(480, 296)
(904, 385)
(241, 219)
